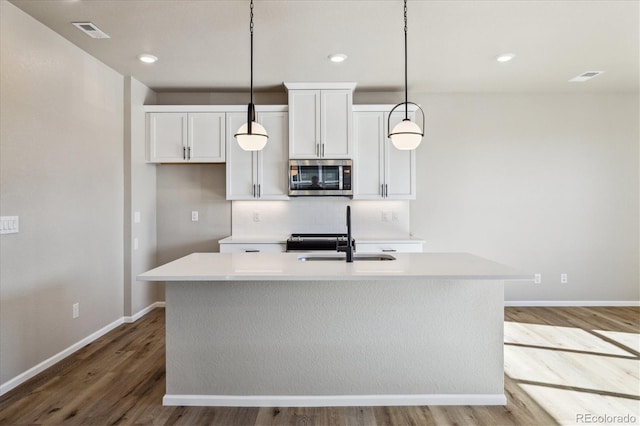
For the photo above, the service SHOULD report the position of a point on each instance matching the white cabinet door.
(252, 248)
(304, 123)
(336, 124)
(167, 132)
(320, 124)
(241, 179)
(369, 159)
(273, 160)
(381, 170)
(400, 166)
(389, 247)
(206, 137)
(180, 137)
(258, 175)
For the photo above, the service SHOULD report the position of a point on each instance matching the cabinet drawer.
(252, 248)
(413, 247)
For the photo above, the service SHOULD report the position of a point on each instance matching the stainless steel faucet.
(350, 245)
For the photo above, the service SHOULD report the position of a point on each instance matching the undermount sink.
(374, 257)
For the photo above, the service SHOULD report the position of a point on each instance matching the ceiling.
(203, 45)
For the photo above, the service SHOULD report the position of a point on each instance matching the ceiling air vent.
(90, 29)
(587, 75)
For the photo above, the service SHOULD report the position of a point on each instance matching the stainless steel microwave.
(320, 177)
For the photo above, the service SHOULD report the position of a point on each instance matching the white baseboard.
(21, 378)
(330, 400)
(550, 303)
(144, 312)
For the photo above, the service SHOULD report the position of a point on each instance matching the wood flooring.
(560, 364)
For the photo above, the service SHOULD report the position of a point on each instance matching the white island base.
(358, 340)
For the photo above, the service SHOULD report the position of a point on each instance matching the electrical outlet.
(394, 216)
(256, 216)
(564, 278)
(385, 216)
(76, 310)
(194, 216)
(135, 244)
(537, 278)
(136, 217)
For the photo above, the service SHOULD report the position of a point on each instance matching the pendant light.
(406, 134)
(251, 136)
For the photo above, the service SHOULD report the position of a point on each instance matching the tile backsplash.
(369, 219)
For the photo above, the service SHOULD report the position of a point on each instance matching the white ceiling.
(204, 44)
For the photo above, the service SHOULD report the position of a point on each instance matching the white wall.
(547, 183)
(140, 197)
(181, 189)
(61, 132)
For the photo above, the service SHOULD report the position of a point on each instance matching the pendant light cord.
(251, 30)
(406, 90)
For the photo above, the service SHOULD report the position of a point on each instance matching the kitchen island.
(270, 329)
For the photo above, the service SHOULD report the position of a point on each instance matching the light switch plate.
(136, 217)
(9, 225)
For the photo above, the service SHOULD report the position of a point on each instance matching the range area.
(316, 242)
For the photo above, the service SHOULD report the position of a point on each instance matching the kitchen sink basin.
(373, 257)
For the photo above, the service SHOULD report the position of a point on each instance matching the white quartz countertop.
(288, 267)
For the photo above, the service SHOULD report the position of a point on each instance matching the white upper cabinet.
(206, 137)
(273, 162)
(183, 137)
(304, 123)
(258, 175)
(369, 162)
(241, 167)
(381, 171)
(400, 165)
(336, 124)
(167, 134)
(320, 120)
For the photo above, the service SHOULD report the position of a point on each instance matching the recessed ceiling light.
(505, 57)
(147, 59)
(338, 57)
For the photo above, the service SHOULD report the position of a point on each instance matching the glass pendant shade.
(254, 141)
(406, 135)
